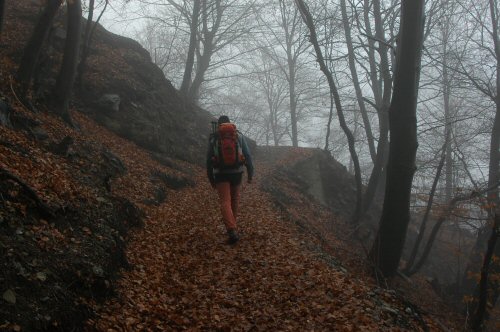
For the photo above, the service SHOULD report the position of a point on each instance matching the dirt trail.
(184, 276)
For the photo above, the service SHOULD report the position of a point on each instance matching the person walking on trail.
(227, 155)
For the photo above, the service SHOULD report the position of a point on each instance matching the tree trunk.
(380, 162)
(329, 125)
(208, 47)
(202, 66)
(494, 168)
(290, 31)
(387, 249)
(493, 173)
(2, 15)
(67, 74)
(86, 44)
(423, 225)
(355, 81)
(188, 70)
(87, 39)
(435, 229)
(480, 312)
(447, 116)
(430, 242)
(293, 104)
(34, 46)
(382, 89)
(306, 15)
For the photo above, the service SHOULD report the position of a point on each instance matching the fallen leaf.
(9, 296)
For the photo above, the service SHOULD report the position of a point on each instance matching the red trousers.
(229, 196)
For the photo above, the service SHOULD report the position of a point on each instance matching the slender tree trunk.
(87, 40)
(208, 47)
(202, 66)
(290, 31)
(387, 249)
(2, 15)
(375, 82)
(355, 81)
(494, 166)
(382, 89)
(33, 48)
(306, 15)
(67, 74)
(86, 44)
(423, 225)
(329, 124)
(188, 70)
(293, 104)
(380, 162)
(442, 218)
(447, 114)
(432, 237)
(481, 311)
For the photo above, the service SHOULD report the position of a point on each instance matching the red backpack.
(227, 150)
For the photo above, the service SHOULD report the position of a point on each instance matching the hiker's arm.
(210, 168)
(248, 159)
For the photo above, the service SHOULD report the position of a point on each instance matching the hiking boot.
(233, 236)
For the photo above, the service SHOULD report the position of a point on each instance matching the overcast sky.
(114, 20)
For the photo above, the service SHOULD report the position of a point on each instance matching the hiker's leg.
(224, 190)
(235, 199)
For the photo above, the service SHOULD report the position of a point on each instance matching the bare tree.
(87, 39)
(222, 26)
(67, 73)
(423, 225)
(188, 70)
(355, 80)
(33, 48)
(294, 46)
(478, 317)
(388, 246)
(275, 92)
(484, 76)
(382, 88)
(286, 45)
(306, 15)
(486, 235)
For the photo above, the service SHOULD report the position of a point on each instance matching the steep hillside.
(122, 89)
(70, 196)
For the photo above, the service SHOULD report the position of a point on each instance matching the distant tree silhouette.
(67, 73)
(34, 46)
(388, 246)
(308, 20)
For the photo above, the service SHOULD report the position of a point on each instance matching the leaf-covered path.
(184, 276)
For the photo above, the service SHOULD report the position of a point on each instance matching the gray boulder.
(5, 111)
(109, 102)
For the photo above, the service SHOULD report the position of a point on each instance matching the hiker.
(227, 154)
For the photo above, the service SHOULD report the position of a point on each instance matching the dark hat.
(223, 119)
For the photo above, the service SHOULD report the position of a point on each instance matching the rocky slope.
(122, 89)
